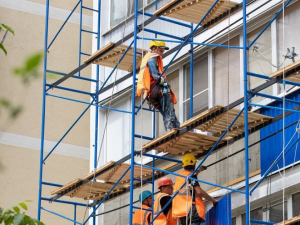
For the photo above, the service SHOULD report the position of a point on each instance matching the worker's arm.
(203, 194)
(165, 200)
(152, 64)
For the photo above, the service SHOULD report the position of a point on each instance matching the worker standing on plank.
(160, 95)
(143, 216)
(188, 205)
(165, 185)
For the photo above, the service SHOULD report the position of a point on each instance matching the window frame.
(185, 67)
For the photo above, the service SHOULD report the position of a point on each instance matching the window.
(200, 91)
(256, 63)
(296, 204)
(290, 38)
(233, 222)
(119, 8)
(221, 73)
(276, 210)
(256, 214)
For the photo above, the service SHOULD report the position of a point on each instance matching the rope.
(187, 198)
(142, 120)
(227, 114)
(283, 119)
(298, 132)
(107, 115)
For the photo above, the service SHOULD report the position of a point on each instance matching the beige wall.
(19, 181)
(20, 173)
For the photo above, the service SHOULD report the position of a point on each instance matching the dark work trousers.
(168, 112)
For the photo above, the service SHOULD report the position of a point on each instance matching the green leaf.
(8, 218)
(15, 111)
(33, 62)
(29, 220)
(28, 201)
(23, 205)
(18, 219)
(17, 209)
(4, 102)
(38, 222)
(8, 28)
(2, 47)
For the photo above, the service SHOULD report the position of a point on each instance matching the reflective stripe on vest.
(182, 202)
(140, 213)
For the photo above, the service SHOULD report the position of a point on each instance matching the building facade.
(218, 80)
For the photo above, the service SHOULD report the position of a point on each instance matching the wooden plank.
(68, 185)
(286, 69)
(193, 11)
(170, 3)
(100, 51)
(105, 166)
(201, 115)
(111, 58)
(168, 134)
(240, 179)
(290, 221)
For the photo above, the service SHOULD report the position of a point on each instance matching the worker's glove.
(161, 81)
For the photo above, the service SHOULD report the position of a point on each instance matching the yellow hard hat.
(188, 160)
(158, 43)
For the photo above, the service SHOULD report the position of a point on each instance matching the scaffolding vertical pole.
(43, 112)
(96, 100)
(80, 34)
(191, 75)
(75, 214)
(245, 49)
(133, 113)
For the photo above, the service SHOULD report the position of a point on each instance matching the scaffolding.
(121, 177)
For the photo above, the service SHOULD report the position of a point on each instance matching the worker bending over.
(165, 185)
(143, 216)
(188, 205)
(160, 93)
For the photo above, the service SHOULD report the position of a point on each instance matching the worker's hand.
(215, 202)
(161, 81)
(201, 169)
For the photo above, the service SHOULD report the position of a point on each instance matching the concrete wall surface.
(20, 137)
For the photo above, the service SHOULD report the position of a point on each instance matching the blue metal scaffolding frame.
(248, 94)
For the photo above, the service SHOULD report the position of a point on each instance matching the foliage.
(27, 72)
(16, 217)
(29, 69)
(2, 28)
(14, 110)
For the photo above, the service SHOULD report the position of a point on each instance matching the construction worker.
(159, 92)
(143, 216)
(188, 205)
(165, 185)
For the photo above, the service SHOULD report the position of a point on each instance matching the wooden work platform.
(113, 54)
(87, 189)
(290, 221)
(189, 142)
(194, 10)
(292, 69)
(215, 121)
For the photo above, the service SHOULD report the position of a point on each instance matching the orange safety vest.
(182, 202)
(145, 80)
(141, 214)
(162, 219)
